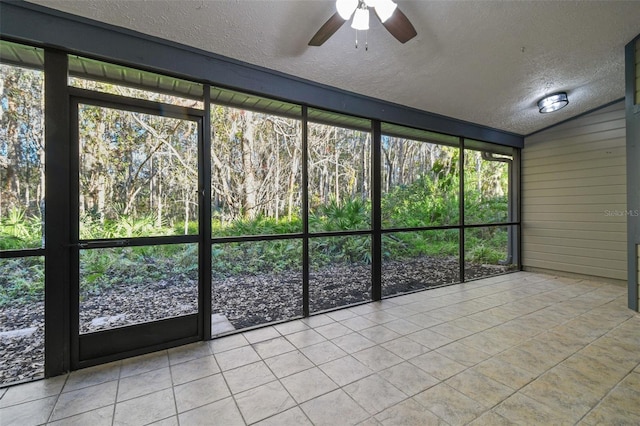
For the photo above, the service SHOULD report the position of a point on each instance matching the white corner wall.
(574, 203)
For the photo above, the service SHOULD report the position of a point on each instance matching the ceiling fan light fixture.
(553, 102)
(385, 8)
(361, 19)
(394, 21)
(346, 8)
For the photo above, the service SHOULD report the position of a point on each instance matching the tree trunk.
(337, 174)
(292, 182)
(250, 180)
(186, 211)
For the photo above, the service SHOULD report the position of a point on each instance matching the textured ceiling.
(486, 62)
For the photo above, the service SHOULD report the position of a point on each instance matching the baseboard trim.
(622, 283)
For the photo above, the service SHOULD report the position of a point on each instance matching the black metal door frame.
(118, 343)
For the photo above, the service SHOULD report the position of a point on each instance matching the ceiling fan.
(387, 11)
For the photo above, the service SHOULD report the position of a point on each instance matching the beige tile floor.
(522, 348)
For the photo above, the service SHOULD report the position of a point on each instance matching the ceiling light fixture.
(384, 9)
(360, 11)
(361, 19)
(392, 18)
(553, 102)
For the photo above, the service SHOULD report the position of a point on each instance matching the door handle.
(100, 244)
(77, 245)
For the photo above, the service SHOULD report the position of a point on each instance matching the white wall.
(574, 196)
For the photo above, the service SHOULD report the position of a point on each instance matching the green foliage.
(192, 228)
(483, 253)
(334, 250)
(125, 226)
(334, 216)
(256, 257)
(18, 231)
(261, 225)
(137, 266)
(425, 202)
(97, 265)
(486, 245)
(21, 280)
(129, 227)
(407, 245)
(479, 209)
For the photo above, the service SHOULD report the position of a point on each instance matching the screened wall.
(22, 214)
(200, 211)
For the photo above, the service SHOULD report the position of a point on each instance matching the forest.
(138, 177)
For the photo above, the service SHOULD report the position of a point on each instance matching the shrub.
(21, 280)
(484, 254)
(18, 231)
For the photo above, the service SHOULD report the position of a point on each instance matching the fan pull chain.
(366, 40)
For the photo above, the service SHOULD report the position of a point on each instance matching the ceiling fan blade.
(400, 27)
(331, 26)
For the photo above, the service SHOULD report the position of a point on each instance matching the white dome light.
(553, 102)
(361, 19)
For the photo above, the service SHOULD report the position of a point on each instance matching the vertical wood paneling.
(574, 209)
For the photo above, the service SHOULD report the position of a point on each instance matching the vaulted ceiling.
(486, 62)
